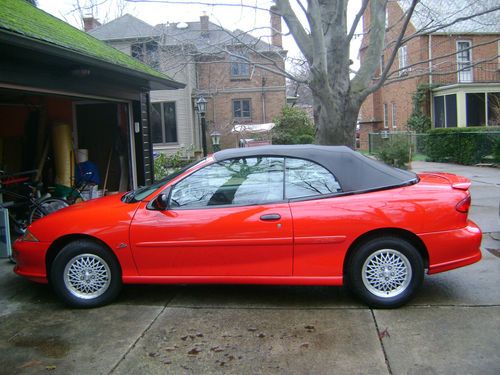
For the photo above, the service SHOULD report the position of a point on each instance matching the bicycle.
(26, 206)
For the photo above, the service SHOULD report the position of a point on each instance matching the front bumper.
(30, 260)
(453, 249)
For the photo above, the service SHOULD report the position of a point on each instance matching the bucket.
(62, 191)
(82, 155)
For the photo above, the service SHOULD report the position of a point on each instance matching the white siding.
(185, 136)
(123, 46)
(174, 65)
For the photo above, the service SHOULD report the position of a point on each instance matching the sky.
(159, 11)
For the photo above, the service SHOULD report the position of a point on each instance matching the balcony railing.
(448, 73)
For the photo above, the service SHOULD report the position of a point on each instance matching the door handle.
(270, 217)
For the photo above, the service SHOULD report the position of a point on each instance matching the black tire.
(46, 206)
(84, 274)
(385, 272)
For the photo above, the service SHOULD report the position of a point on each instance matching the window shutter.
(147, 145)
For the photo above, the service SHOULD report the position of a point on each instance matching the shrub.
(395, 153)
(166, 164)
(293, 126)
(460, 145)
(496, 150)
(418, 121)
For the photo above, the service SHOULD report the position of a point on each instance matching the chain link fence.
(468, 147)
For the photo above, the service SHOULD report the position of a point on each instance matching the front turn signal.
(29, 237)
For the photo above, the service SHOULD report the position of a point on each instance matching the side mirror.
(162, 201)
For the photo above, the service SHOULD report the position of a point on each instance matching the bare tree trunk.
(335, 118)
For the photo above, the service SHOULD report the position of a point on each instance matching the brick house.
(230, 69)
(459, 63)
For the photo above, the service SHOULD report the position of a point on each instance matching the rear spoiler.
(456, 181)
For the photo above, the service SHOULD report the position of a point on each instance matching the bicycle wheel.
(46, 206)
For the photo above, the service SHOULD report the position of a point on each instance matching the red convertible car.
(294, 215)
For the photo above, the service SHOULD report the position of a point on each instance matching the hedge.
(461, 145)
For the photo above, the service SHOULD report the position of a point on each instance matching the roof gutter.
(40, 46)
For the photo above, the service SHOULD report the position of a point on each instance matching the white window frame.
(386, 119)
(162, 118)
(393, 115)
(382, 63)
(464, 75)
(242, 67)
(241, 100)
(403, 60)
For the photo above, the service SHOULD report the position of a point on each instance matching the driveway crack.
(146, 330)
(381, 336)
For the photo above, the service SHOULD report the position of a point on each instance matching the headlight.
(28, 237)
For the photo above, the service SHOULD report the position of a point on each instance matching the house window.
(445, 111)
(439, 116)
(240, 68)
(163, 123)
(403, 60)
(464, 61)
(382, 64)
(393, 115)
(450, 102)
(147, 52)
(498, 54)
(476, 109)
(242, 109)
(386, 119)
(493, 108)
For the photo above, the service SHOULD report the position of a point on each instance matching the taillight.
(464, 205)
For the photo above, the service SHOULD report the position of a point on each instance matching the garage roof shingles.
(22, 18)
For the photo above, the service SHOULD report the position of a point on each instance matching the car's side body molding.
(257, 280)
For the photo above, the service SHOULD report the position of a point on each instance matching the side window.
(304, 179)
(244, 181)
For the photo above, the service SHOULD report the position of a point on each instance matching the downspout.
(430, 58)
(263, 96)
(431, 101)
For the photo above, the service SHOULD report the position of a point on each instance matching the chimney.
(204, 25)
(90, 23)
(276, 37)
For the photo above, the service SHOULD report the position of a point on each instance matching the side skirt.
(256, 280)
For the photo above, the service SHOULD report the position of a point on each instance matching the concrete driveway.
(452, 327)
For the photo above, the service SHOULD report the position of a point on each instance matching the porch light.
(201, 105)
(215, 135)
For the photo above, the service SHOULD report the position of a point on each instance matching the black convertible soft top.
(354, 171)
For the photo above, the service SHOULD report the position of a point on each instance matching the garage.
(67, 98)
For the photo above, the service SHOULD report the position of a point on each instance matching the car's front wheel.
(84, 274)
(385, 272)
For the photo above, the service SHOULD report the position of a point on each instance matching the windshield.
(142, 192)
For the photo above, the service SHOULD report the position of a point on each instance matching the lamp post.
(215, 135)
(201, 105)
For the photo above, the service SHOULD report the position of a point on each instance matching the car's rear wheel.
(385, 272)
(84, 274)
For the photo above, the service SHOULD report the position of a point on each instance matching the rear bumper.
(30, 260)
(453, 249)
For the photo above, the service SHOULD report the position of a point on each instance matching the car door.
(226, 219)
(319, 218)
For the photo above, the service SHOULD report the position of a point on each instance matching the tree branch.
(302, 38)
(355, 23)
(372, 54)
